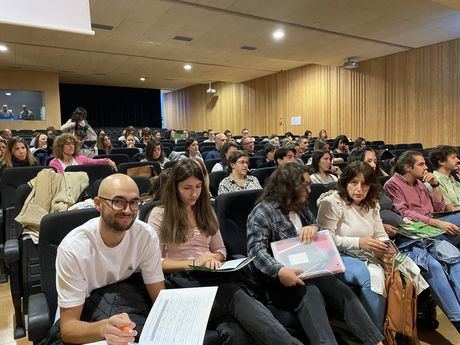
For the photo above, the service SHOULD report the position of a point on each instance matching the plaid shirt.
(267, 223)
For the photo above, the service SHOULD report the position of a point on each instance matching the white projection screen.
(62, 15)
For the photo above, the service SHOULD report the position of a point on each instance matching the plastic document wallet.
(317, 258)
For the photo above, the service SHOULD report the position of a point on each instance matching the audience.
(169, 134)
(146, 135)
(359, 143)
(282, 214)
(189, 236)
(6, 134)
(130, 130)
(412, 198)
(185, 135)
(227, 149)
(303, 142)
(219, 140)
(308, 134)
(322, 134)
(284, 155)
(154, 153)
(269, 156)
(104, 143)
(78, 122)
(229, 136)
(66, 150)
(341, 144)
(322, 169)
(248, 146)
(238, 179)
(445, 161)
(156, 135)
(17, 154)
(40, 142)
(116, 237)
(351, 214)
(210, 136)
(3, 144)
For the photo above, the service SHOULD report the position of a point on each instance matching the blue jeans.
(444, 282)
(357, 276)
(455, 219)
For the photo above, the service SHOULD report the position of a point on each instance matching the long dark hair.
(360, 155)
(149, 151)
(284, 187)
(175, 227)
(316, 158)
(188, 143)
(370, 178)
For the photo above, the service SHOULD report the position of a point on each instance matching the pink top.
(79, 160)
(413, 201)
(193, 248)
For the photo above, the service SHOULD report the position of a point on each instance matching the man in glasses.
(104, 251)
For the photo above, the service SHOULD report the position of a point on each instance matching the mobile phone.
(391, 247)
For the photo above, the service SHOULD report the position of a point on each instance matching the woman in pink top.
(66, 150)
(189, 236)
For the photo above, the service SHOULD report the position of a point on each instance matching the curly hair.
(370, 178)
(149, 151)
(284, 187)
(440, 154)
(58, 145)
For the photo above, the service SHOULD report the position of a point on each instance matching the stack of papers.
(418, 230)
(317, 258)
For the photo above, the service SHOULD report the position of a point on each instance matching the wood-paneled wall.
(48, 82)
(408, 97)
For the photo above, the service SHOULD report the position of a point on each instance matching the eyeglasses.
(119, 204)
(242, 162)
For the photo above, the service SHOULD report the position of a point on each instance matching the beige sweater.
(51, 192)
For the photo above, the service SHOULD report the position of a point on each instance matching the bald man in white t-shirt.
(103, 251)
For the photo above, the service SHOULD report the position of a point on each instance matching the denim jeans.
(319, 296)
(357, 275)
(444, 281)
(455, 219)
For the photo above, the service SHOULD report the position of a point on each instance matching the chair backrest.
(214, 180)
(170, 164)
(210, 164)
(125, 151)
(123, 167)
(263, 174)
(143, 183)
(383, 179)
(402, 147)
(53, 228)
(42, 156)
(233, 210)
(94, 171)
(117, 158)
(316, 190)
(12, 178)
(145, 209)
(22, 193)
(253, 161)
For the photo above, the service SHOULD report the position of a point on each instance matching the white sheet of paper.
(299, 258)
(179, 316)
(231, 264)
(296, 120)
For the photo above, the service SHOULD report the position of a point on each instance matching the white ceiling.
(141, 43)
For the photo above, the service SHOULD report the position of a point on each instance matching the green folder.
(418, 230)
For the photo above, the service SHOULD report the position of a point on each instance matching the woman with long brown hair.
(189, 236)
(17, 154)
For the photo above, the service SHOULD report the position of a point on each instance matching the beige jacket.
(51, 192)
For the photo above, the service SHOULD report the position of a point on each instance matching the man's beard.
(116, 226)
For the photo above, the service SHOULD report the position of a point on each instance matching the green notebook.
(418, 230)
(227, 266)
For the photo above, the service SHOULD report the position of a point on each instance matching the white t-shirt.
(84, 263)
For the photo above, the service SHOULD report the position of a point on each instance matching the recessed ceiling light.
(278, 34)
(8, 93)
(187, 67)
(3, 48)
(142, 78)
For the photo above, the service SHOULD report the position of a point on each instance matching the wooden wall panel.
(47, 82)
(407, 97)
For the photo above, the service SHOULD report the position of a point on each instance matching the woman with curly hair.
(66, 151)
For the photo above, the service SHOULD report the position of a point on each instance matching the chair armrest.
(11, 251)
(39, 317)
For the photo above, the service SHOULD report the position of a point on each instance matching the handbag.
(401, 314)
